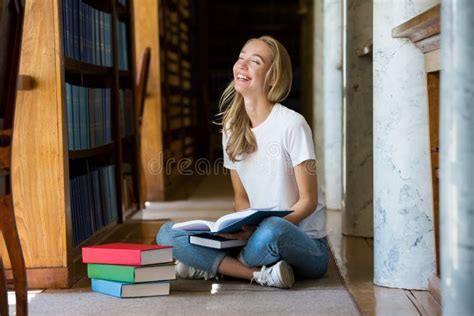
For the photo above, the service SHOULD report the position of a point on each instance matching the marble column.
(457, 157)
(332, 98)
(404, 254)
(357, 206)
(318, 89)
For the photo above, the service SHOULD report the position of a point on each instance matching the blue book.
(70, 119)
(87, 122)
(232, 222)
(76, 117)
(113, 215)
(101, 38)
(124, 289)
(108, 39)
(76, 54)
(65, 28)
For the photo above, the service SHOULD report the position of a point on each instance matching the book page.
(194, 225)
(228, 219)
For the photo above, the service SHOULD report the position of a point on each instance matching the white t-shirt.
(284, 140)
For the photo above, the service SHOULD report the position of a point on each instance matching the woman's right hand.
(244, 234)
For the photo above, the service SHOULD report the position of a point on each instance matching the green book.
(132, 274)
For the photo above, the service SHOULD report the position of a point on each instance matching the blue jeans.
(275, 239)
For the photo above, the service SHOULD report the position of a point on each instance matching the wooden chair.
(11, 27)
(140, 96)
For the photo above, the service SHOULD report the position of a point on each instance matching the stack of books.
(130, 270)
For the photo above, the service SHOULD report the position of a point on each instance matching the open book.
(232, 222)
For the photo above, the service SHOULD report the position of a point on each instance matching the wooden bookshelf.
(93, 152)
(74, 66)
(44, 169)
(170, 124)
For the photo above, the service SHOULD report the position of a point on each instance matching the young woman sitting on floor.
(270, 153)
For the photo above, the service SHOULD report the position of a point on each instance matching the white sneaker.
(279, 275)
(187, 272)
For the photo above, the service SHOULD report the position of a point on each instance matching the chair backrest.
(11, 28)
(142, 81)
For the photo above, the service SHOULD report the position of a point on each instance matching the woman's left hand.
(244, 234)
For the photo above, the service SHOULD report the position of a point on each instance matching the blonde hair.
(235, 121)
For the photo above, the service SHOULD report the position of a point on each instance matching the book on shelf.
(232, 222)
(127, 254)
(87, 33)
(124, 289)
(93, 202)
(213, 241)
(89, 114)
(126, 112)
(132, 274)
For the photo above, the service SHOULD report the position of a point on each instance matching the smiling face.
(251, 68)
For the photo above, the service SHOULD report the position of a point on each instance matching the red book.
(127, 254)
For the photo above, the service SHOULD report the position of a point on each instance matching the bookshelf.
(179, 108)
(75, 160)
(170, 123)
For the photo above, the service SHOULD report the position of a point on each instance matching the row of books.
(93, 202)
(122, 45)
(87, 33)
(127, 113)
(89, 116)
(130, 270)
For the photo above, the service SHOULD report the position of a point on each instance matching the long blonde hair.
(235, 121)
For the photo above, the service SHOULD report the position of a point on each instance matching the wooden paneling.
(433, 61)
(41, 278)
(39, 168)
(433, 109)
(420, 27)
(146, 30)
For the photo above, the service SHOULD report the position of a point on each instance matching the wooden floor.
(354, 257)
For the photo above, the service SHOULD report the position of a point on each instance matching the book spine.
(76, 117)
(111, 256)
(70, 119)
(111, 272)
(91, 99)
(107, 287)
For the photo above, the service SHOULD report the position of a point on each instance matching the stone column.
(328, 97)
(357, 206)
(332, 95)
(404, 255)
(318, 90)
(457, 157)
